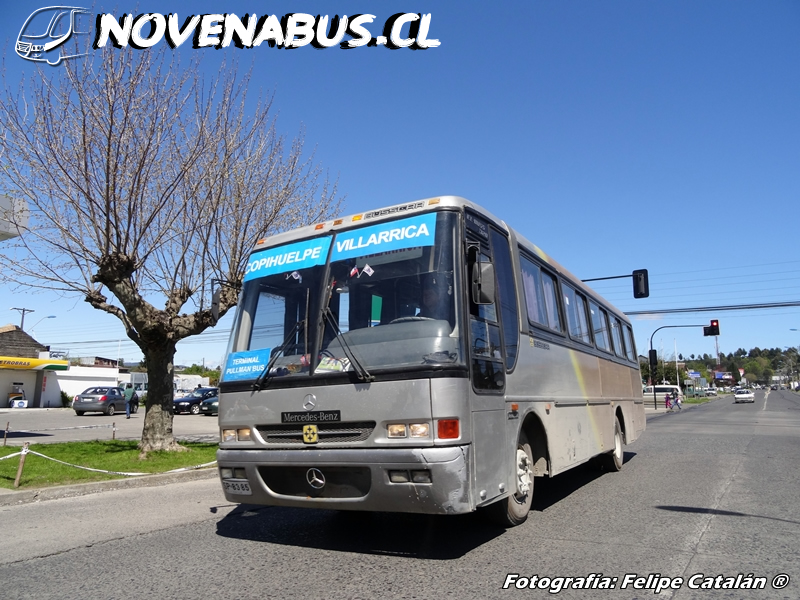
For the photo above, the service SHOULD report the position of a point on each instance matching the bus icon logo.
(44, 36)
(310, 434)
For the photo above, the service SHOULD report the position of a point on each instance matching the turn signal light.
(447, 429)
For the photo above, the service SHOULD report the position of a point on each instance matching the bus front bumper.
(418, 480)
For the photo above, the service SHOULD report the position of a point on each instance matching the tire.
(194, 409)
(513, 510)
(613, 460)
(79, 413)
(135, 408)
(110, 410)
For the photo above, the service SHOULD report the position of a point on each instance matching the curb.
(15, 497)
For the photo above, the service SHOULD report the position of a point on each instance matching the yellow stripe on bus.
(579, 376)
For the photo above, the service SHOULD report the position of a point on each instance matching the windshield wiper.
(359, 368)
(265, 374)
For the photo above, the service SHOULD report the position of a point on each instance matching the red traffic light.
(712, 329)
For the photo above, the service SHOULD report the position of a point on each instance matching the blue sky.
(615, 135)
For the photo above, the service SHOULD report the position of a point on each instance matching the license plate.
(237, 486)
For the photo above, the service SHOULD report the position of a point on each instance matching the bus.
(420, 358)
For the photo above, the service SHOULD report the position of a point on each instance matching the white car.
(743, 395)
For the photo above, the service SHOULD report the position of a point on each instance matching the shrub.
(66, 399)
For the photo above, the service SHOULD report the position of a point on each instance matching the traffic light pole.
(654, 364)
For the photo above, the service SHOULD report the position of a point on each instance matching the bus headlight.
(233, 435)
(414, 430)
(396, 430)
(419, 430)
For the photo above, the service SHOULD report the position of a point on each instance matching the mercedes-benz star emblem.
(315, 478)
(309, 402)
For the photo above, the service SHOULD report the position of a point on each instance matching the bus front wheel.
(614, 459)
(513, 510)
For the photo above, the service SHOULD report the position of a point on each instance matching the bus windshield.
(385, 300)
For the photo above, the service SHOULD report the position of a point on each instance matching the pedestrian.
(678, 401)
(667, 401)
(129, 394)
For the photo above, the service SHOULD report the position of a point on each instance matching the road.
(711, 490)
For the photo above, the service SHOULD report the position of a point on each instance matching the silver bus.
(419, 358)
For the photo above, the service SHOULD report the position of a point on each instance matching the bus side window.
(600, 326)
(541, 295)
(616, 336)
(534, 296)
(577, 323)
(629, 347)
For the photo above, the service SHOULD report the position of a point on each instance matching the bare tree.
(144, 183)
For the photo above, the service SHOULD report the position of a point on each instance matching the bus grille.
(327, 432)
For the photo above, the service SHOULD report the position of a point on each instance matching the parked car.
(711, 392)
(104, 399)
(744, 395)
(210, 406)
(191, 402)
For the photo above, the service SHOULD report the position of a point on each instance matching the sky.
(615, 135)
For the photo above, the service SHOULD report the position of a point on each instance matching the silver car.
(744, 395)
(102, 399)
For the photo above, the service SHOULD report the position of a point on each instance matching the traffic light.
(712, 329)
(641, 284)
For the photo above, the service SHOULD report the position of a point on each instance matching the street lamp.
(39, 321)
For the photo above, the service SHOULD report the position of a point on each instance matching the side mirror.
(483, 283)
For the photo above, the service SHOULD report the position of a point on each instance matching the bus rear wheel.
(513, 510)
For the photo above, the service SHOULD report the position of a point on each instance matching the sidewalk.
(14, 497)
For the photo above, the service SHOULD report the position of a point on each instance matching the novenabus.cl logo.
(44, 36)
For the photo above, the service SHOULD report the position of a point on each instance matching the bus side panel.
(548, 373)
(491, 454)
(635, 418)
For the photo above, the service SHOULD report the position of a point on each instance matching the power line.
(667, 311)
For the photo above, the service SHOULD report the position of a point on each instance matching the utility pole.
(23, 311)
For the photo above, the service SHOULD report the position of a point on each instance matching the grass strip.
(109, 455)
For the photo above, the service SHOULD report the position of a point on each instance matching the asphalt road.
(706, 492)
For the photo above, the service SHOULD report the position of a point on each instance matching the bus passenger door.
(487, 371)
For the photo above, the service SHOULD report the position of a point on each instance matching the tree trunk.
(157, 431)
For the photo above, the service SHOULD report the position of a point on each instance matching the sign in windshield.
(291, 257)
(386, 237)
(245, 365)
